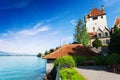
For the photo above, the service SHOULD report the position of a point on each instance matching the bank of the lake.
(22, 68)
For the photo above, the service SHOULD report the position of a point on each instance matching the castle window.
(106, 34)
(101, 16)
(104, 41)
(107, 41)
(99, 34)
(94, 18)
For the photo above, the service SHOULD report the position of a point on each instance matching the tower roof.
(96, 12)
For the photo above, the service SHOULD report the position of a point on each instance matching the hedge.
(113, 59)
(65, 62)
(100, 60)
(70, 74)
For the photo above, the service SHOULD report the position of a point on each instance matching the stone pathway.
(97, 73)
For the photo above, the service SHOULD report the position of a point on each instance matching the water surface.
(22, 68)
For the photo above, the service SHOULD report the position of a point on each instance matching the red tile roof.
(117, 21)
(71, 49)
(96, 12)
(93, 34)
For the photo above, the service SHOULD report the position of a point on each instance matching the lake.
(22, 68)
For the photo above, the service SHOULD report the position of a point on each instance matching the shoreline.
(49, 67)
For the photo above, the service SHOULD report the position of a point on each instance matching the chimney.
(102, 8)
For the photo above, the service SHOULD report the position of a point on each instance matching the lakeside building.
(70, 49)
(96, 24)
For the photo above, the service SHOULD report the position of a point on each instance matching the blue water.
(22, 68)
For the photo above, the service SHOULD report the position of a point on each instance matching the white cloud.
(28, 32)
(31, 41)
(24, 41)
(33, 31)
(73, 22)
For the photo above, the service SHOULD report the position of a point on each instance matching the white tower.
(95, 20)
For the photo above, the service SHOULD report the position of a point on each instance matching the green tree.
(114, 45)
(46, 52)
(81, 35)
(49, 51)
(97, 43)
(39, 55)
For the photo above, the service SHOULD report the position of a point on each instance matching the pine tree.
(81, 35)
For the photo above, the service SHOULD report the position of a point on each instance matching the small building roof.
(71, 49)
(93, 34)
(117, 21)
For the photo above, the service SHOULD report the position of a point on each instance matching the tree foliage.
(97, 43)
(47, 52)
(81, 35)
(114, 45)
(39, 55)
(51, 50)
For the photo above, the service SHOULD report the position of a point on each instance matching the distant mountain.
(2, 53)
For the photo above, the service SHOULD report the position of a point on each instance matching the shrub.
(113, 59)
(39, 54)
(91, 58)
(70, 74)
(97, 43)
(101, 60)
(65, 62)
(79, 60)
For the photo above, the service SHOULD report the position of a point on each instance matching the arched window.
(106, 34)
(99, 34)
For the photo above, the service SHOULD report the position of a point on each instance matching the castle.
(96, 25)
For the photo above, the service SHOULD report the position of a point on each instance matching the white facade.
(96, 24)
(99, 22)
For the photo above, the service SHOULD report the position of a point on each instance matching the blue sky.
(32, 26)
